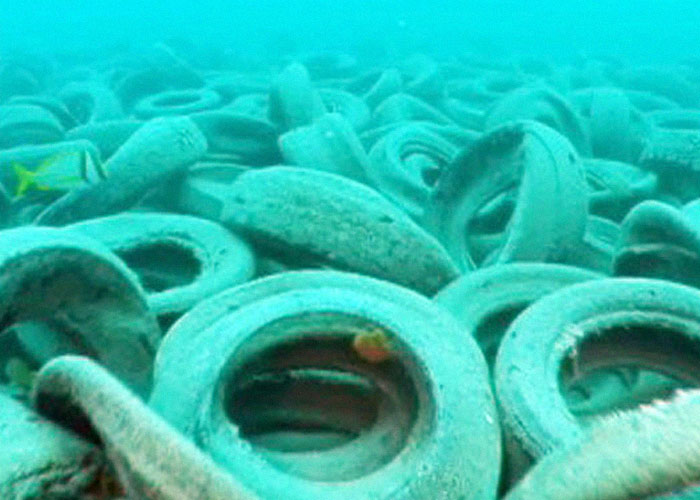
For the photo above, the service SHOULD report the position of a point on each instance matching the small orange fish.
(373, 345)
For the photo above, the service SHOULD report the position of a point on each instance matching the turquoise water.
(349, 250)
(639, 30)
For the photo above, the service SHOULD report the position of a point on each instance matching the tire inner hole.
(622, 367)
(315, 407)
(162, 265)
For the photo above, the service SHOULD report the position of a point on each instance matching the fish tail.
(25, 179)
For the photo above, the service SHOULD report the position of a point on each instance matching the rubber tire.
(157, 151)
(534, 413)
(549, 217)
(455, 457)
(333, 220)
(78, 287)
(176, 102)
(223, 259)
(39, 458)
(479, 299)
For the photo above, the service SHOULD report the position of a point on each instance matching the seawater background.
(636, 31)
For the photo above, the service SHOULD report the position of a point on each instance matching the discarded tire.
(376, 330)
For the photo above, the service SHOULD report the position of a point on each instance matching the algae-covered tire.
(659, 241)
(611, 114)
(405, 164)
(617, 129)
(691, 210)
(449, 446)
(491, 85)
(648, 102)
(545, 106)
(403, 107)
(455, 134)
(340, 394)
(389, 82)
(231, 84)
(27, 124)
(107, 136)
(17, 80)
(330, 65)
(91, 101)
(672, 148)
(52, 104)
(294, 101)
(549, 215)
(208, 188)
(601, 324)
(486, 301)
(683, 119)
(329, 144)
(674, 155)
(88, 299)
(180, 260)
(336, 221)
(423, 77)
(616, 187)
(39, 458)
(236, 137)
(464, 114)
(253, 105)
(176, 102)
(210, 310)
(596, 251)
(162, 70)
(352, 107)
(663, 81)
(157, 151)
(150, 458)
(650, 453)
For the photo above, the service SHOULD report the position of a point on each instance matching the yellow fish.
(58, 173)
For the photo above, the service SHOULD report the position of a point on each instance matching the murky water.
(349, 250)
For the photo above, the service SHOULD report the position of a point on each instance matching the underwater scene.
(340, 250)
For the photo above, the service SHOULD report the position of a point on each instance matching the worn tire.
(447, 450)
